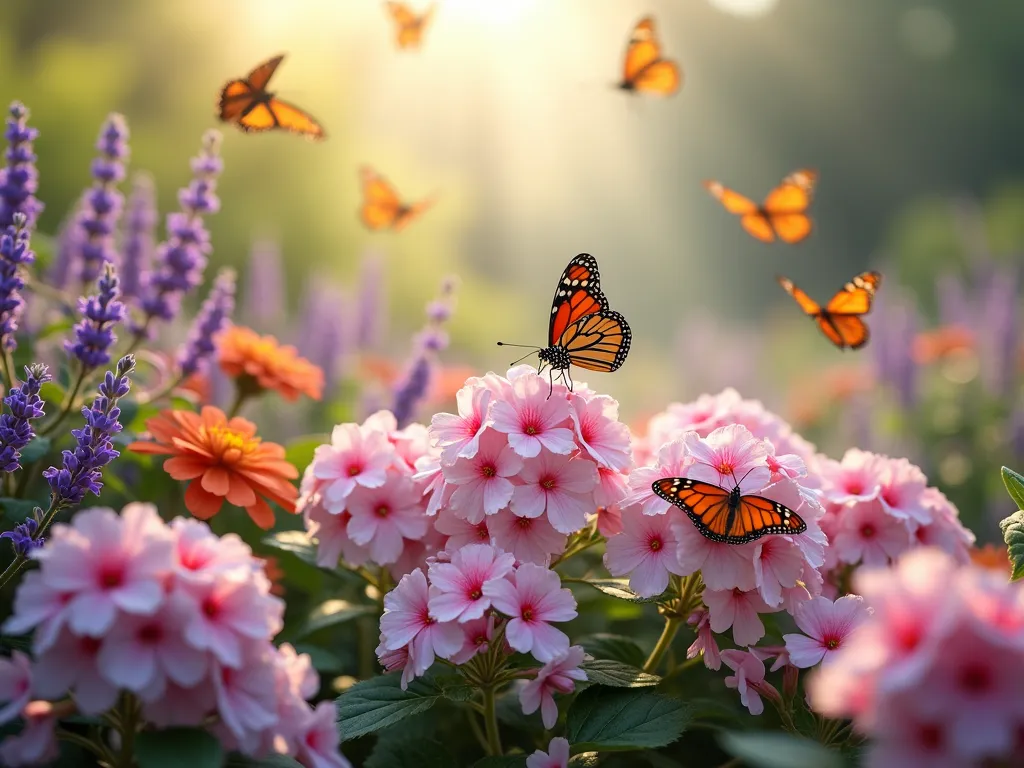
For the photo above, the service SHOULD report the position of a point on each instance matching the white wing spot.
(584, 283)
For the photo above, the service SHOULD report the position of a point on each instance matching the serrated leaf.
(617, 675)
(174, 747)
(1013, 534)
(617, 647)
(763, 749)
(1014, 483)
(37, 449)
(299, 452)
(399, 753)
(331, 613)
(609, 719)
(617, 588)
(296, 542)
(379, 702)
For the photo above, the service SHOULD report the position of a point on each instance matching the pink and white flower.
(532, 420)
(826, 626)
(599, 432)
(458, 435)
(530, 539)
(728, 457)
(461, 532)
(557, 676)
(15, 685)
(557, 755)
(645, 550)
(37, 742)
(482, 481)
(748, 680)
(533, 598)
(559, 486)
(382, 517)
(705, 644)
(867, 534)
(407, 621)
(460, 585)
(739, 610)
(317, 738)
(355, 458)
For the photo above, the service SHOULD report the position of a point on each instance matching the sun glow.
(489, 11)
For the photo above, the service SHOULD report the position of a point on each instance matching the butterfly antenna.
(534, 351)
(738, 482)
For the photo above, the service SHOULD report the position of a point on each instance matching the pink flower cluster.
(176, 616)
(877, 508)
(523, 469)
(363, 501)
(457, 609)
(764, 576)
(934, 674)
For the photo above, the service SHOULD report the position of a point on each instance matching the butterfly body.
(248, 104)
(840, 319)
(782, 215)
(644, 69)
(728, 516)
(382, 208)
(409, 26)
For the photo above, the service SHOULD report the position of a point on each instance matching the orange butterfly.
(644, 69)
(382, 208)
(783, 213)
(840, 319)
(728, 516)
(249, 105)
(582, 330)
(408, 26)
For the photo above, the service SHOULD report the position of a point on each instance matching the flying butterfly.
(248, 104)
(644, 70)
(728, 516)
(783, 214)
(582, 330)
(382, 208)
(840, 319)
(409, 25)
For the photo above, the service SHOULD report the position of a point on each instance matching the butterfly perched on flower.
(409, 25)
(840, 319)
(644, 69)
(382, 208)
(582, 330)
(728, 516)
(248, 104)
(783, 214)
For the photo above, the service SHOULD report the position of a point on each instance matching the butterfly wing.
(381, 206)
(807, 304)
(260, 77)
(708, 507)
(786, 206)
(238, 96)
(643, 68)
(408, 214)
(578, 294)
(855, 297)
(408, 26)
(257, 118)
(235, 98)
(752, 218)
(291, 118)
(598, 342)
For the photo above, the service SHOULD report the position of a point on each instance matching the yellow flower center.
(230, 445)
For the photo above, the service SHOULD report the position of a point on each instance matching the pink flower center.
(111, 576)
(488, 470)
(151, 634)
(354, 469)
(547, 483)
(976, 678)
(867, 531)
(480, 640)
(89, 646)
(737, 592)
(725, 468)
(482, 533)
(527, 613)
(530, 430)
(475, 593)
(890, 496)
(383, 510)
(524, 523)
(908, 636)
(831, 642)
(655, 544)
(313, 740)
(855, 487)
(211, 607)
(929, 736)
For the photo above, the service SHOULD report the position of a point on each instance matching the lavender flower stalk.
(23, 537)
(264, 305)
(139, 235)
(413, 387)
(14, 255)
(70, 241)
(181, 260)
(372, 312)
(94, 333)
(323, 335)
(19, 179)
(213, 316)
(24, 406)
(81, 471)
(103, 203)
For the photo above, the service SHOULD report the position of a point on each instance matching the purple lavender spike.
(895, 326)
(101, 312)
(999, 330)
(954, 305)
(214, 315)
(372, 313)
(264, 304)
(324, 332)
(24, 406)
(19, 179)
(15, 255)
(103, 202)
(139, 235)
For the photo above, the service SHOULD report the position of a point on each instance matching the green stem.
(19, 561)
(576, 550)
(160, 394)
(8, 364)
(85, 743)
(475, 727)
(129, 723)
(668, 634)
(240, 397)
(491, 722)
(67, 405)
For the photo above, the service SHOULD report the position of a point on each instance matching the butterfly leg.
(551, 382)
(567, 379)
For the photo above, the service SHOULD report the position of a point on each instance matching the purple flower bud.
(24, 406)
(139, 235)
(264, 306)
(103, 203)
(94, 333)
(14, 255)
(19, 179)
(181, 259)
(22, 538)
(212, 318)
(81, 470)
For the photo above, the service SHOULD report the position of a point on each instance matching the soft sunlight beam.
(489, 11)
(748, 8)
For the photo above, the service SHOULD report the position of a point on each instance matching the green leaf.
(296, 542)
(764, 749)
(617, 647)
(502, 761)
(299, 452)
(379, 702)
(53, 394)
(322, 660)
(37, 449)
(1014, 483)
(175, 747)
(16, 510)
(399, 753)
(57, 326)
(617, 675)
(617, 588)
(1013, 534)
(624, 718)
(333, 612)
(129, 410)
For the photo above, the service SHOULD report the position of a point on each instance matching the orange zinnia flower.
(243, 352)
(224, 460)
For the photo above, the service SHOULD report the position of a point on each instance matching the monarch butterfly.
(728, 516)
(644, 69)
(840, 319)
(582, 330)
(382, 208)
(248, 104)
(408, 26)
(783, 213)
